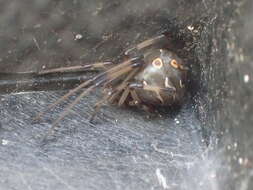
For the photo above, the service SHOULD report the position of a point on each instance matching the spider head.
(162, 77)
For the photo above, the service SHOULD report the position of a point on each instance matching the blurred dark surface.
(204, 145)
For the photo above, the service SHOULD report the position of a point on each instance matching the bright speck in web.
(190, 27)
(177, 121)
(4, 142)
(246, 78)
(78, 37)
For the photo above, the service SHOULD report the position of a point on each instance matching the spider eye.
(174, 64)
(158, 63)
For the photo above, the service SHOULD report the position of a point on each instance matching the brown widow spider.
(151, 76)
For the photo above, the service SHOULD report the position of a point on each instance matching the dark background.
(204, 145)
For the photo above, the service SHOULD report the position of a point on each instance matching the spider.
(150, 76)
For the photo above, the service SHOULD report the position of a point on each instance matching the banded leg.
(97, 107)
(146, 43)
(99, 104)
(155, 89)
(88, 90)
(110, 97)
(136, 99)
(93, 83)
(124, 96)
(137, 102)
(147, 87)
(89, 67)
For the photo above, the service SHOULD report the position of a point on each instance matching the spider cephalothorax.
(160, 82)
(151, 76)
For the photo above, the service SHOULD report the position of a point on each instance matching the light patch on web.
(161, 179)
(4, 142)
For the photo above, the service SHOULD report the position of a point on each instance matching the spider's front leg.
(161, 39)
(131, 92)
(145, 88)
(88, 67)
(136, 101)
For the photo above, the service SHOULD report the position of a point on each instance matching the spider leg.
(89, 67)
(119, 73)
(89, 82)
(129, 64)
(151, 88)
(146, 43)
(66, 111)
(83, 85)
(97, 107)
(122, 85)
(70, 106)
(136, 99)
(124, 96)
(137, 102)
(112, 95)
